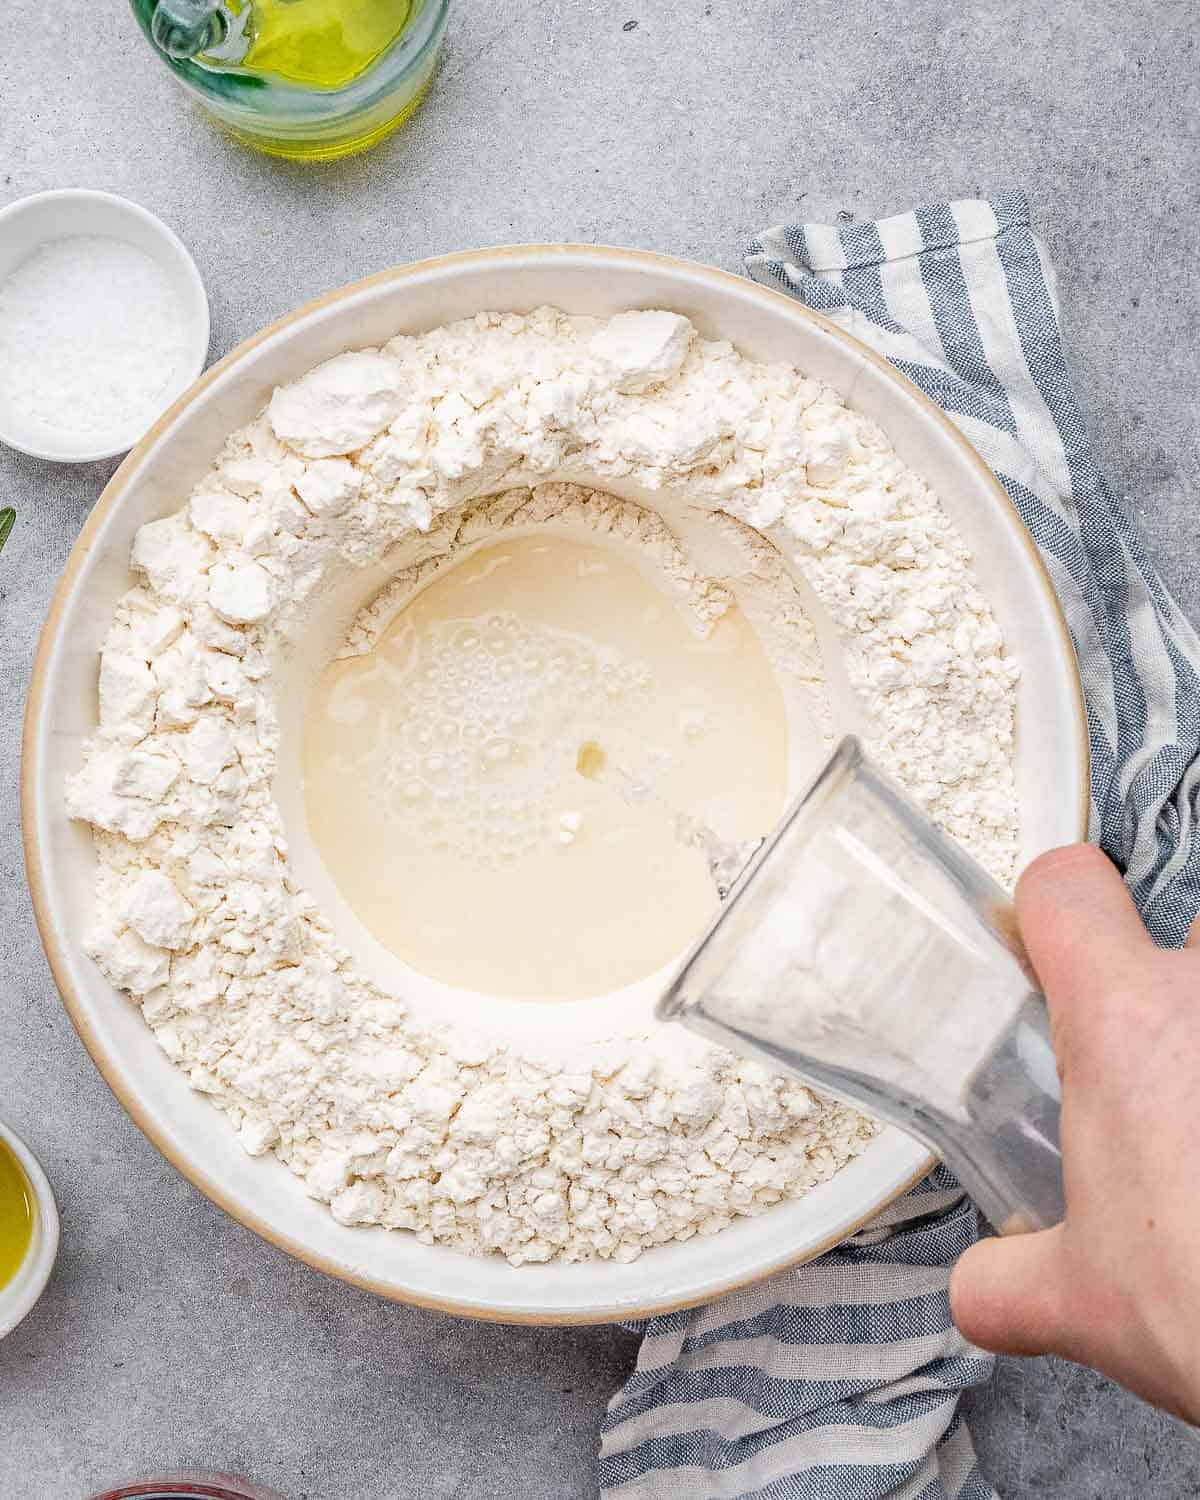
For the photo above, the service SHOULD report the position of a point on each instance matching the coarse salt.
(92, 338)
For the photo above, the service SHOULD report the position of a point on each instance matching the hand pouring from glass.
(864, 951)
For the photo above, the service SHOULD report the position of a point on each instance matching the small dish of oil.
(28, 1230)
(17, 1209)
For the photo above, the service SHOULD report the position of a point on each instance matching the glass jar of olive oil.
(307, 79)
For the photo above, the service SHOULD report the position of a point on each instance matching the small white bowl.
(29, 224)
(20, 1294)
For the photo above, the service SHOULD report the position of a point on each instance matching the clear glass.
(288, 119)
(865, 952)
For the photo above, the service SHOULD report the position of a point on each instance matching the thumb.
(1009, 1295)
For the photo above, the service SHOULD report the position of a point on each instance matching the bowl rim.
(35, 861)
(197, 352)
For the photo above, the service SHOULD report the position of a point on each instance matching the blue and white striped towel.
(840, 1380)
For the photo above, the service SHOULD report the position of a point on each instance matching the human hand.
(1117, 1284)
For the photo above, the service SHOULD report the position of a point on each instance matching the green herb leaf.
(8, 517)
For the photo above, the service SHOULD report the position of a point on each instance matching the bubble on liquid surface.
(486, 718)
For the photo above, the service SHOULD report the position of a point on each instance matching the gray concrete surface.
(170, 1334)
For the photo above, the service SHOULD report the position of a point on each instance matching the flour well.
(442, 765)
(726, 481)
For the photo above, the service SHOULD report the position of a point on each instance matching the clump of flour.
(790, 502)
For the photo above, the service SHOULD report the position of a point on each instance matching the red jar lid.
(189, 1486)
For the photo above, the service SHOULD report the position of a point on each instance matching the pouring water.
(726, 859)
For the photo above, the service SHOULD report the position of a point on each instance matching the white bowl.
(1051, 762)
(31, 223)
(29, 1282)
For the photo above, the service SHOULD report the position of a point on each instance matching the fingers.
(1008, 1295)
(1079, 924)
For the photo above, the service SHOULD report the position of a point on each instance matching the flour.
(734, 480)
(91, 337)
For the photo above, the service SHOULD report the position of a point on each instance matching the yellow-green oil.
(16, 1215)
(322, 44)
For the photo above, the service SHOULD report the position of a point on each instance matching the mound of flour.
(406, 453)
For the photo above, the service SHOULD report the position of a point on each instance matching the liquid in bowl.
(442, 783)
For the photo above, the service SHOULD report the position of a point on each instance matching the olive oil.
(16, 1215)
(310, 80)
(323, 44)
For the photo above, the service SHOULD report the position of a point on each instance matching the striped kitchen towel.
(840, 1380)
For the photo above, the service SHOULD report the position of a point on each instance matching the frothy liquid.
(442, 782)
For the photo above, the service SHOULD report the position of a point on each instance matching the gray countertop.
(170, 1334)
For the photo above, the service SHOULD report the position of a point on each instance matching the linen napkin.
(841, 1379)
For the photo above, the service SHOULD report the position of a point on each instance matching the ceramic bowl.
(26, 227)
(18, 1296)
(1051, 759)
